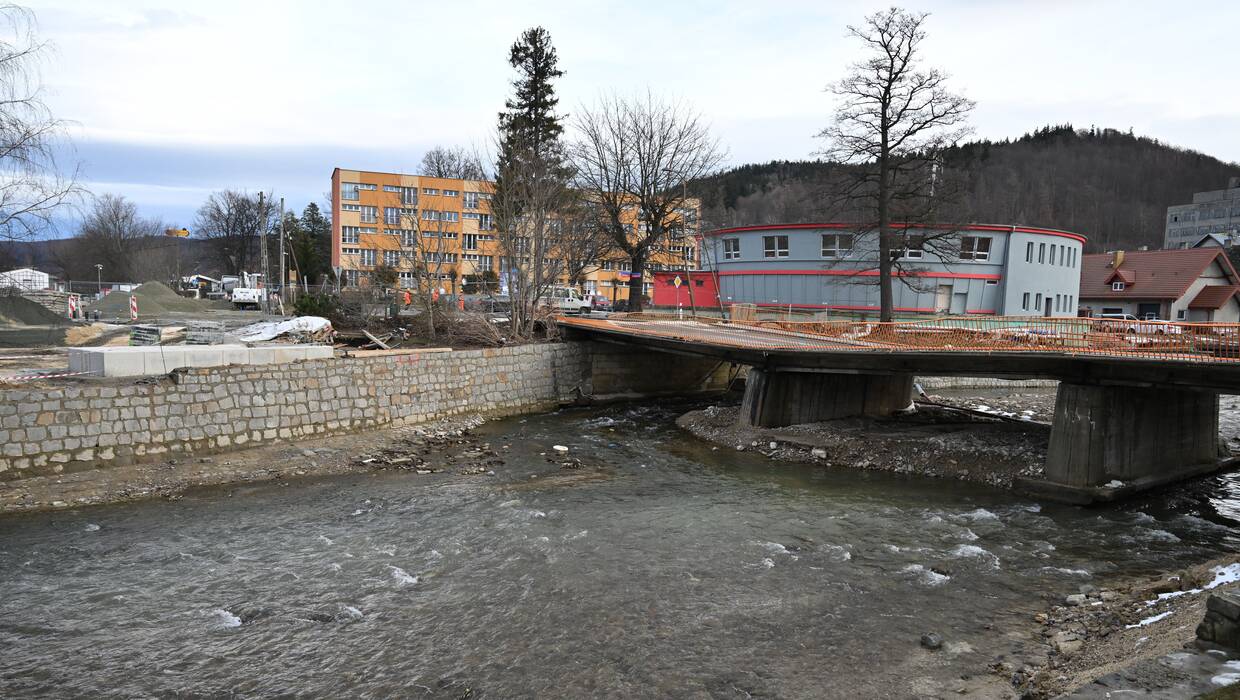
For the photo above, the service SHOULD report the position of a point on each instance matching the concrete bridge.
(1135, 405)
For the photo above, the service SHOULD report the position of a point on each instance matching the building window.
(430, 190)
(430, 215)
(391, 188)
(914, 247)
(731, 248)
(370, 215)
(368, 256)
(469, 241)
(451, 216)
(1037, 301)
(974, 248)
(367, 186)
(485, 223)
(1024, 298)
(348, 190)
(450, 193)
(349, 234)
(1053, 249)
(409, 196)
(836, 245)
(774, 246)
(1179, 315)
(391, 216)
(408, 238)
(391, 258)
(470, 200)
(992, 283)
(485, 262)
(1041, 252)
(1117, 286)
(350, 207)
(1029, 252)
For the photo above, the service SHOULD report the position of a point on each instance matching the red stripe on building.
(970, 227)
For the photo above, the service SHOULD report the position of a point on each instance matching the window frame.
(771, 246)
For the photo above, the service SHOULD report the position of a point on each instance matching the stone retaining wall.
(101, 423)
(929, 383)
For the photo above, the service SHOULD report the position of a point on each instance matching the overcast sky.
(173, 99)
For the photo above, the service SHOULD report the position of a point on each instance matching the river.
(663, 567)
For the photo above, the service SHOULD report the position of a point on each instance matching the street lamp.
(99, 278)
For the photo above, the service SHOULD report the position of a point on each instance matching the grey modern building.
(1216, 212)
(960, 269)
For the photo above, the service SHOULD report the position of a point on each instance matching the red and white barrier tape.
(42, 375)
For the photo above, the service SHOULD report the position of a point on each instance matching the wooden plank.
(375, 340)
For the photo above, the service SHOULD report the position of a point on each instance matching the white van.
(566, 300)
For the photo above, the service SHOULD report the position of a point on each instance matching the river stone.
(1075, 599)
(818, 452)
(931, 641)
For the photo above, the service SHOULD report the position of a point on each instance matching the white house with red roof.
(1192, 285)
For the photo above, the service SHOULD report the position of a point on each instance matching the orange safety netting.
(1190, 342)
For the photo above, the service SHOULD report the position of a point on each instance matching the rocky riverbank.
(439, 446)
(1134, 637)
(935, 441)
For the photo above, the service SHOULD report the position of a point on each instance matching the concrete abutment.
(776, 398)
(1108, 442)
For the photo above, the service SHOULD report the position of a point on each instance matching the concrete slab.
(162, 359)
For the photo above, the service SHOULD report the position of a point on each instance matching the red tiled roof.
(1213, 296)
(1150, 274)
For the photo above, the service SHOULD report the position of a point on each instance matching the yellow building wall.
(433, 196)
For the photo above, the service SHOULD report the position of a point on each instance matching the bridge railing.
(1206, 342)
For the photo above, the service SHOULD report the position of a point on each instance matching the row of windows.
(1060, 303)
(840, 245)
(1062, 255)
(1204, 214)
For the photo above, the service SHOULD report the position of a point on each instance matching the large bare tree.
(34, 185)
(892, 122)
(128, 245)
(232, 221)
(632, 158)
(452, 162)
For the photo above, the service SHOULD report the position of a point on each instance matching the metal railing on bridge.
(1194, 342)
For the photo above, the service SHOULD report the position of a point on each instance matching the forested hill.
(1112, 186)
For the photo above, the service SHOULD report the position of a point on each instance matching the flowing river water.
(664, 567)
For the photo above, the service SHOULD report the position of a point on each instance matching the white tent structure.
(26, 278)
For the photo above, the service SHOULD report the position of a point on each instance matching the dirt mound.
(20, 311)
(153, 298)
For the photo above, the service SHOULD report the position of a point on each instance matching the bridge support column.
(774, 399)
(1140, 436)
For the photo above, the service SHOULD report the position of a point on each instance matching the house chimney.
(1117, 259)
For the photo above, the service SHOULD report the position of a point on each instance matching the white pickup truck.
(566, 300)
(247, 298)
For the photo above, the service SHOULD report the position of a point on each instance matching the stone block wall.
(112, 422)
(96, 424)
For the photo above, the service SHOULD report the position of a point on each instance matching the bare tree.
(428, 253)
(582, 243)
(232, 221)
(113, 234)
(452, 162)
(893, 121)
(529, 212)
(33, 187)
(632, 159)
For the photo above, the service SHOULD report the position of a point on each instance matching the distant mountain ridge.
(1112, 186)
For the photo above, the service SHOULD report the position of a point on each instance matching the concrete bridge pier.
(775, 398)
(1108, 442)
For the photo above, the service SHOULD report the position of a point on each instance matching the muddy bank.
(423, 449)
(1133, 636)
(930, 441)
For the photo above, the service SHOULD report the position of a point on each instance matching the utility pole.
(283, 280)
(262, 252)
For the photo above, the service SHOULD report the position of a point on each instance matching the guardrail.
(1199, 342)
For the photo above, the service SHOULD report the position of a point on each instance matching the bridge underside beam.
(1142, 437)
(774, 399)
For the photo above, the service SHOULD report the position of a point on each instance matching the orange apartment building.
(379, 218)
